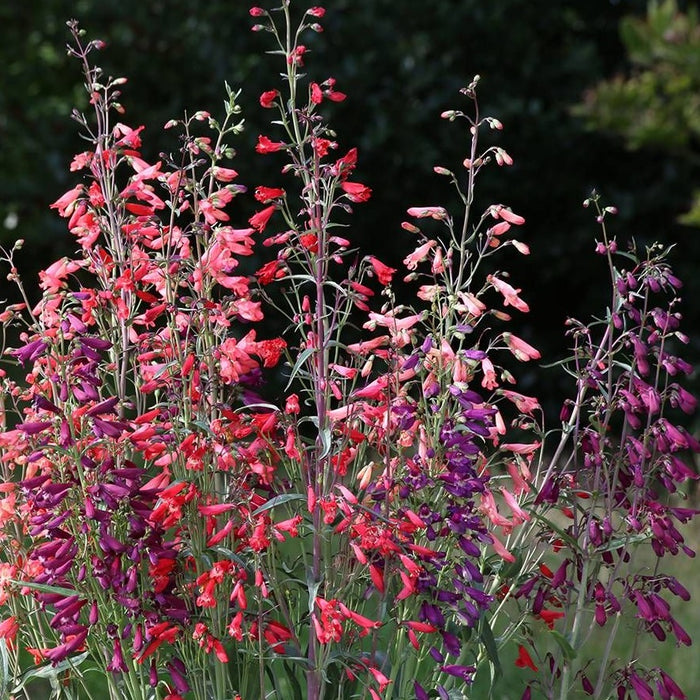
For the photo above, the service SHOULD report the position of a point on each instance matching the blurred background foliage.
(656, 104)
(592, 94)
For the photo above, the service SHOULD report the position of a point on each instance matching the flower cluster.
(388, 521)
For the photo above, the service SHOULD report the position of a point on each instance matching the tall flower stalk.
(389, 523)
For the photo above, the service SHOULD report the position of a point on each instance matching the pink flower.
(490, 510)
(499, 229)
(519, 515)
(472, 304)
(82, 160)
(428, 212)
(489, 380)
(500, 212)
(390, 321)
(520, 349)
(223, 174)
(418, 255)
(501, 550)
(519, 483)
(521, 448)
(524, 404)
(52, 278)
(510, 294)
(522, 248)
(66, 202)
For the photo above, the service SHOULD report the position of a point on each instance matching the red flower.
(383, 272)
(330, 93)
(267, 99)
(549, 616)
(317, 12)
(345, 165)
(269, 272)
(267, 194)
(66, 202)
(270, 351)
(356, 191)
(322, 146)
(265, 145)
(316, 94)
(296, 57)
(309, 241)
(259, 219)
(524, 660)
(292, 405)
(329, 628)
(9, 629)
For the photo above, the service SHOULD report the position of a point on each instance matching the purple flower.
(420, 691)
(681, 635)
(640, 687)
(177, 674)
(117, 662)
(432, 614)
(466, 673)
(106, 406)
(670, 686)
(34, 427)
(108, 428)
(676, 588)
(587, 685)
(30, 351)
(63, 651)
(452, 643)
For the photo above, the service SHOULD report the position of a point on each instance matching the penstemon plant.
(391, 522)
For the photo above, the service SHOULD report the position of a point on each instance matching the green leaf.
(489, 642)
(325, 436)
(231, 555)
(312, 587)
(565, 536)
(43, 588)
(50, 671)
(568, 651)
(279, 500)
(618, 542)
(303, 357)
